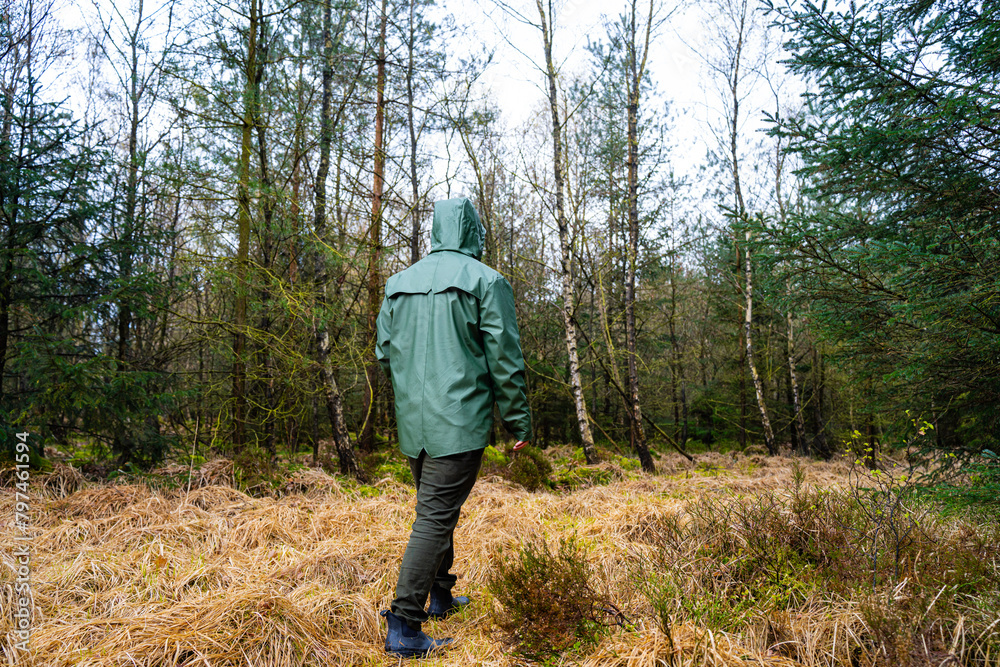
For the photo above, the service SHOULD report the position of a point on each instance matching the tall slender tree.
(737, 23)
(251, 73)
(547, 26)
(375, 284)
(329, 118)
(636, 41)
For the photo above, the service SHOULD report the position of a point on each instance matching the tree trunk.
(346, 459)
(372, 372)
(758, 386)
(415, 210)
(268, 248)
(742, 349)
(295, 206)
(566, 258)
(741, 216)
(250, 99)
(799, 421)
(637, 434)
(331, 392)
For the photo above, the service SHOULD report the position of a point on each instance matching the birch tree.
(546, 25)
(736, 24)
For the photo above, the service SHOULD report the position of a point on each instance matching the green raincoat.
(448, 340)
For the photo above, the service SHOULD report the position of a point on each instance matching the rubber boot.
(443, 604)
(403, 640)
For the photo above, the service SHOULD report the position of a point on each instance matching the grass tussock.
(733, 561)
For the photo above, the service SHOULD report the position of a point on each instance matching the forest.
(754, 249)
(194, 250)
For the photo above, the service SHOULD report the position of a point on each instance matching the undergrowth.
(925, 587)
(546, 603)
(529, 467)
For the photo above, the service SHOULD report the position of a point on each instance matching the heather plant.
(546, 602)
(530, 468)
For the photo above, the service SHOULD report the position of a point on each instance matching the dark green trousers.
(443, 484)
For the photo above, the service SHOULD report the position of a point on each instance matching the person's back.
(448, 339)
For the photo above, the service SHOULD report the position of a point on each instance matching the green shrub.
(382, 462)
(627, 463)
(399, 471)
(494, 457)
(546, 602)
(529, 467)
(974, 488)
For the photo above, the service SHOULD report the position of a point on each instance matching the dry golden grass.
(126, 575)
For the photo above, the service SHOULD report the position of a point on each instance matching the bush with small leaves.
(546, 603)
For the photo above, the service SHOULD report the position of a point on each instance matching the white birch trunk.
(565, 250)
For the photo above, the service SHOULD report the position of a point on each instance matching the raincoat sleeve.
(383, 325)
(502, 343)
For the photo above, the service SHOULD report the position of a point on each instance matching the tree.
(251, 72)
(332, 42)
(635, 62)
(547, 25)
(618, 94)
(899, 254)
(375, 247)
(232, 99)
(737, 24)
(59, 368)
(137, 229)
(48, 276)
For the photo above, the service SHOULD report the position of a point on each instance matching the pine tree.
(900, 253)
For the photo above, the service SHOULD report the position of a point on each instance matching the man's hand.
(520, 444)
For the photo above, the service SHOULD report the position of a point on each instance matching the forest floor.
(135, 574)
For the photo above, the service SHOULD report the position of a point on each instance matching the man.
(448, 340)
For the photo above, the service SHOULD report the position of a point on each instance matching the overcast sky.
(676, 65)
(515, 82)
(514, 77)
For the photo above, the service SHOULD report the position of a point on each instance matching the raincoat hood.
(457, 227)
